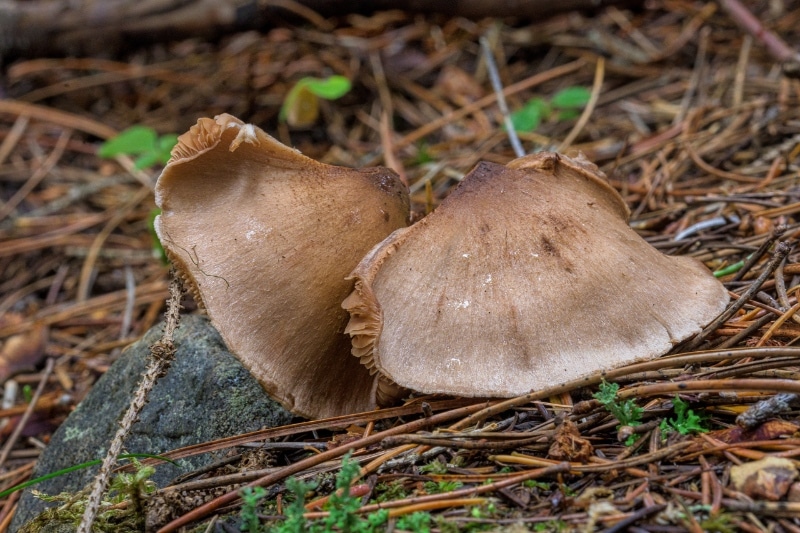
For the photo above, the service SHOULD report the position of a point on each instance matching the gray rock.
(206, 395)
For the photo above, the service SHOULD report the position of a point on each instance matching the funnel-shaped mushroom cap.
(526, 276)
(265, 238)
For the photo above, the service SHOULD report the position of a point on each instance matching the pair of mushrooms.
(525, 276)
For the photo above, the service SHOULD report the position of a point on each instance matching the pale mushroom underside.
(265, 237)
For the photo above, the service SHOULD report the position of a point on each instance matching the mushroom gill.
(527, 275)
(265, 237)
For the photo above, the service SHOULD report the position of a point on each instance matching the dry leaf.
(22, 352)
(794, 492)
(765, 479)
(769, 430)
(568, 444)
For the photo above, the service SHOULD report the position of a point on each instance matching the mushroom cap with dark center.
(526, 276)
(265, 237)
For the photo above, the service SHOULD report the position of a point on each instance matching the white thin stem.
(497, 85)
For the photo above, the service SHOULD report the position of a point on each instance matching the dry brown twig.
(161, 356)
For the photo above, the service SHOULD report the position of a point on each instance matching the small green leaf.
(146, 159)
(140, 141)
(330, 88)
(134, 140)
(567, 114)
(423, 153)
(530, 116)
(571, 98)
(300, 107)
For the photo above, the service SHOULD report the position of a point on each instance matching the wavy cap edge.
(202, 137)
(366, 316)
(552, 162)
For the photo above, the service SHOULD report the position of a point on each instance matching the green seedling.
(134, 487)
(565, 105)
(551, 526)
(686, 422)
(251, 496)
(423, 153)
(437, 487)
(418, 522)
(342, 508)
(301, 106)
(484, 511)
(341, 505)
(295, 522)
(386, 492)
(142, 143)
(434, 467)
(626, 412)
(536, 484)
(721, 523)
(131, 488)
(73, 468)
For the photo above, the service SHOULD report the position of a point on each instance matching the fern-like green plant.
(251, 497)
(625, 411)
(342, 508)
(685, 422)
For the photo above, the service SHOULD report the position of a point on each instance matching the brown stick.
(299, 466)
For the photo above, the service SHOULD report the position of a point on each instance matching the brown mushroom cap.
(265, 237)
(526, 276)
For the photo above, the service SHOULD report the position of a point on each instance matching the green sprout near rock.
(81, 466)
(301, 106)
(565, 104)
(133, 488)
(142, 143)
